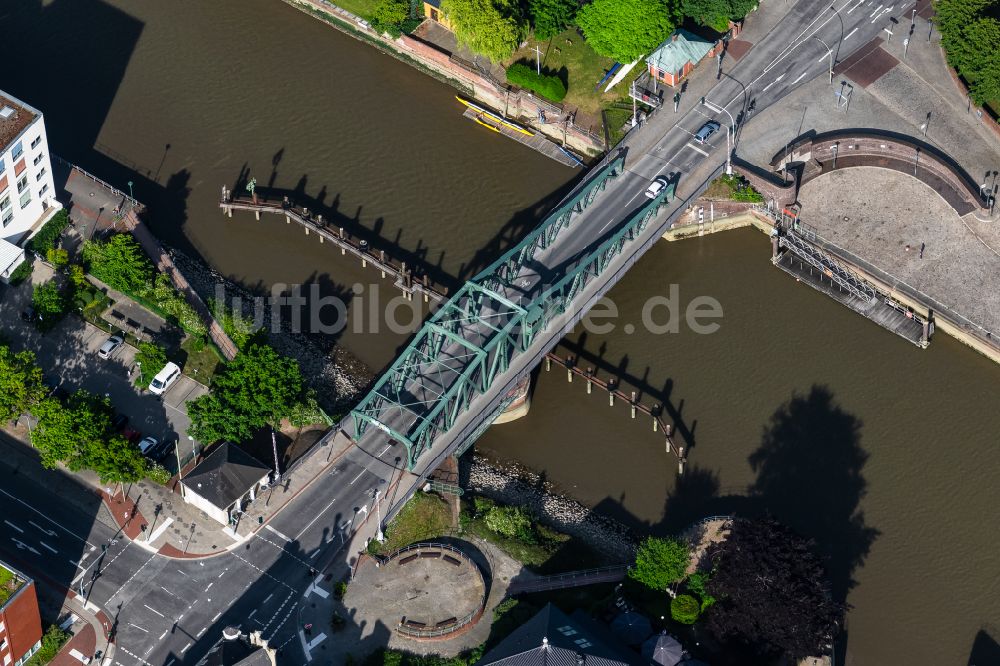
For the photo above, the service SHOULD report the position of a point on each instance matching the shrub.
(49, 303)
(340, 589)
(388, 16)
(52, 641)
(49, 234)
(57, 257)
(547, 85)
(510, 521)
(78, 277)
(685, 609)
(504, 607)
(150, 358)
(157, 473)
(696, 583)
(21, 273)
(482, 504)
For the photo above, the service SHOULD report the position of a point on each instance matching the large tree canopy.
(716, 14)
(965, 33)
(20, 383)
(79, 434)
(492, 28)
(258, 387)
(660, 562)
(550, 17)
(119, 262)
(771, 591)
(626, 29)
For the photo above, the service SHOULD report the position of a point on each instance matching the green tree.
(626, 29)
(49, 303)
(79, 434)
(257, 388)
(120, 263)
(52, 641)
(151, 358)
(966, 29)
(712, 13)
(492, 28)
(510, 521)
(388, 15)
(21, 384)
(550, 17)
(548, 86)
(684, 609)
(660, 562)
(57, 257)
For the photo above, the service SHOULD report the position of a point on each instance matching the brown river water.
(885, 454)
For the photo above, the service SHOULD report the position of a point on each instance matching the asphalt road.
(171, 611)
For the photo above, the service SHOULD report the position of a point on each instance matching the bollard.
(381, 260)
(656, 425)
(569, 374)
(590, 381)
(343, 250)
(307, 230)
(256, 214)
(669, 447)
(426, 290)
(680, 467)
(548, 364)
(633, 404)
(364, 253)
(288, 220)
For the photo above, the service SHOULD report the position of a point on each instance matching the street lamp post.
(138, 364)
(730, 143)
(379, 536)
(830, 52)
(130, 196)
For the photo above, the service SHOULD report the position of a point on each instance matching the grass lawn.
(584, 69)
(424, 517)
(9, 584)
(362, 8)
(202, 360)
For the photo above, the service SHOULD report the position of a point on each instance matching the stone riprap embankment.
(516, 486)
(336, 375)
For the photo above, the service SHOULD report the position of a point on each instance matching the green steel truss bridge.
(454, 378)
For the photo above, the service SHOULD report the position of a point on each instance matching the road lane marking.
(823, 57)
(267, 598)
(23, 546)
(254, 612)
(271, 529)
(181, 572)
(155, 611)
(51, 533)
(67, 530)
(764, 89)
(850, 33)
(316, 641)
(352, 482)
(184, 649)
(210, 586)
(168, 592)
(201, 633)
(138, 627)
(310, 523)
(45, 545)
(217, 616)
(801, 76)
(860, 2)
(872, 15)
(161, 528)
(14, 526)
(695, 148)
(162, 635)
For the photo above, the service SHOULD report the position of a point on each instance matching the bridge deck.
(886, 316)
(537, 141)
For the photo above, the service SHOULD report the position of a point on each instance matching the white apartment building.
(27, 191)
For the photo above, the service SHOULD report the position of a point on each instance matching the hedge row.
(48, 235)
(546, 85)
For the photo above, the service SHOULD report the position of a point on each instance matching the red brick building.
(20, 622)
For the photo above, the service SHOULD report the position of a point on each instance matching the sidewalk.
(158, 519)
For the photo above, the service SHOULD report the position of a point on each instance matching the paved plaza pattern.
(886, 221)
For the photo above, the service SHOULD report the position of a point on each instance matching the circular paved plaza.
(422, 592)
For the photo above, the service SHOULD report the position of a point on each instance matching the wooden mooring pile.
(405, 278)
(611, 387)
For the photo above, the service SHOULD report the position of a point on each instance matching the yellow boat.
(492, 116)
(487, 125)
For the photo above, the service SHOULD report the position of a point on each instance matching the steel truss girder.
(479, 305)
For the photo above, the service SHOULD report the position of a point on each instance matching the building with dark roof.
(238, 649)
(222, 483)
(20, 622)
(552, 638)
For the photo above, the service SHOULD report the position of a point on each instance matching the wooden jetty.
(610, 386)
(512, 130)
(406, 279)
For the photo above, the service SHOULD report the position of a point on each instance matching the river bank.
(481, 85)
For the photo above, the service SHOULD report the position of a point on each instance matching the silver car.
(110, 346)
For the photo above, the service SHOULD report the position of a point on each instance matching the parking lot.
(68, 357)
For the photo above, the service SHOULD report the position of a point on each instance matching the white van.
(164, 379)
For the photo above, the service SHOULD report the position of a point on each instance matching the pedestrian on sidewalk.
(922, 246)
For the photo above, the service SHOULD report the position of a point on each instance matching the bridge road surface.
(793, 53)
(171, 611)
